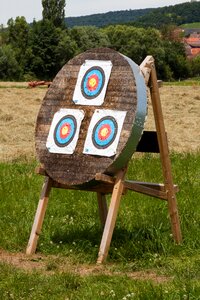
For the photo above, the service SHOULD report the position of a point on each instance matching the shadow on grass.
(125, 245)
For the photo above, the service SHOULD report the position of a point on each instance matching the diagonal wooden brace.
(39, 217)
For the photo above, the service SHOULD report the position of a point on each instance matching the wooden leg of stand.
(103, 209)
(112, 216)
(39, 217)
(164, 155)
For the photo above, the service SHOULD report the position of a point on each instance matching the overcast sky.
(32, 9)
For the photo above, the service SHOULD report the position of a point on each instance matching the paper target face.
(92, 82)
(104, 132)
(64, 131)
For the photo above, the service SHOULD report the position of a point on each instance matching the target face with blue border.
(65, 131)
(93, 82)
(104, 132)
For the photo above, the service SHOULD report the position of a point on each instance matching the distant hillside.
(112, 17)
(188, 12)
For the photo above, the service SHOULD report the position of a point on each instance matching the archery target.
(104, 132)
(64, 131)
(92, 82)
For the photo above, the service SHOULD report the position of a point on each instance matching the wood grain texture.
(121, 94)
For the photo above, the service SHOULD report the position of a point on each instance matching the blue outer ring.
(99, 72)
(60, 142)
(102, 144)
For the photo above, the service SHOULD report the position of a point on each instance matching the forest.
(38, 50)
(188, 12)
(109, 18)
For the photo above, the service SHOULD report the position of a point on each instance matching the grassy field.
(191, 25)
(143, 263)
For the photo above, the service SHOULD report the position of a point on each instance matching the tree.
(9, 67)
(88, 37)
(18, 37)
(66, 48)
(54, 11)
(195, 65)
(50, 48)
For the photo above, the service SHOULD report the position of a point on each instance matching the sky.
(32, 9)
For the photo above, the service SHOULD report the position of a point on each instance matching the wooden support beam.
(145, 68)
(150, 191)
(156, 186)
(103, 209)
(105, 178)
(100, 187)
(39, 217)
(164, 154)
(112, 216)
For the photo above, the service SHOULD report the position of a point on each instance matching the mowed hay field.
(19, 106)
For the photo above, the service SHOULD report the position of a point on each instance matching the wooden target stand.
(117, 185)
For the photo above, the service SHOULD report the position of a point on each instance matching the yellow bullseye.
(65, 130)
(104, 132)
(92, 82)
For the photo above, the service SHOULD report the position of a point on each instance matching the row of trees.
(188, 12)
(39, 50)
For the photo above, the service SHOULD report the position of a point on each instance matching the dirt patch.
(19, 107)
(54, 264)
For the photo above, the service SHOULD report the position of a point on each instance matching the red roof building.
(192, 45)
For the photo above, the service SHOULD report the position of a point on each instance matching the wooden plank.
(103, 209)
(39, 217)
(150, 191)
(112, 216)
(101, 188)
(146, 70)
(164, 155)
(104, 178)
(155, 186)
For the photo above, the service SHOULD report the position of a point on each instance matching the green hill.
(104, 19)
(188, 12)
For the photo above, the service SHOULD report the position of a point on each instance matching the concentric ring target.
(65, 130)
(93, 82)
(104, 132)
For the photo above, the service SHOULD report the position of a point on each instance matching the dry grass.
(181, 110)
(18, 111)
(19, 107)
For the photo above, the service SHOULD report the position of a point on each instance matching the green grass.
(191, 25)
(187, 82)
(71, 232)
(16, 284)
(13, 87)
